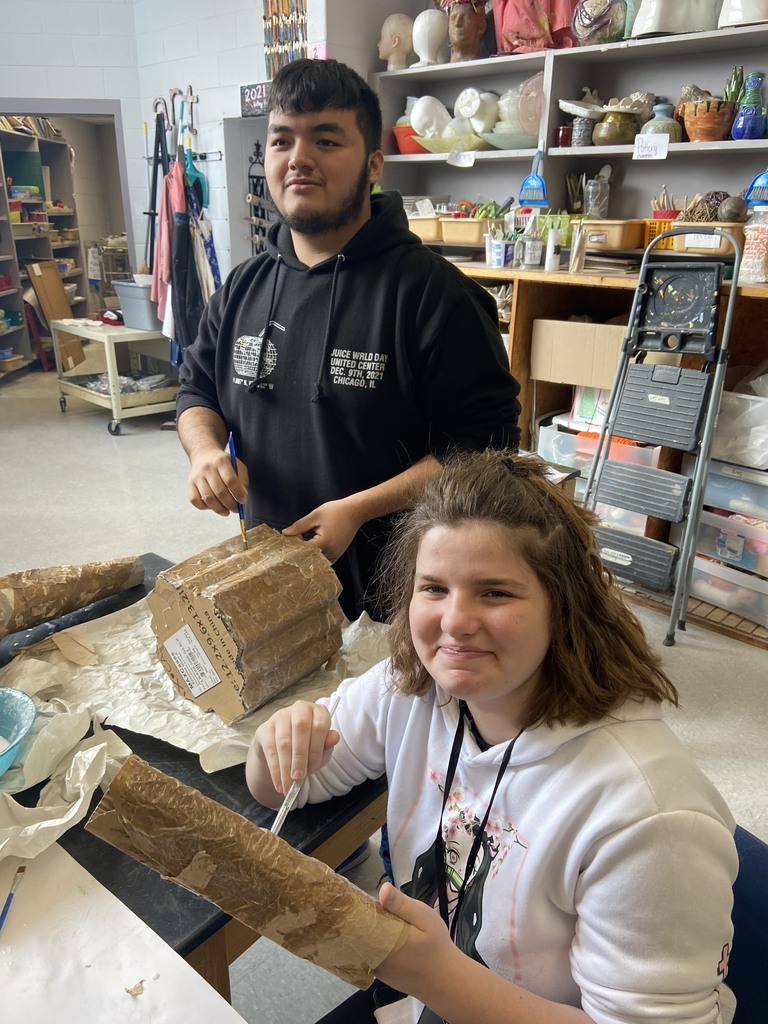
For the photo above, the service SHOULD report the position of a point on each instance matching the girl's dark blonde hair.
(599, 656)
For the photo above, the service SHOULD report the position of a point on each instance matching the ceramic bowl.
(17, 713)
(445, 145)
(407, 140)
(510, 140)
(708, 120)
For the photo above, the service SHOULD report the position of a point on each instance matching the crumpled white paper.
(126, 686)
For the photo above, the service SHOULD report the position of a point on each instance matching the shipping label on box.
(236, 627)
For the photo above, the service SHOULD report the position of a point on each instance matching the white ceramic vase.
(661, 17)
(742, 12)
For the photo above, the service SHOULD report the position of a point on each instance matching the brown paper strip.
(37, 595)
(250, 874)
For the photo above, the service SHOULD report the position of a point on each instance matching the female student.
(558, 855)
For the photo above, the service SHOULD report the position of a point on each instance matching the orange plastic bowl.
(407, 139)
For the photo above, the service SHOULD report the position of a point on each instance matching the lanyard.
(477, 841)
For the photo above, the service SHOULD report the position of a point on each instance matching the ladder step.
(642, 560)
(663, 405)
(653, 492)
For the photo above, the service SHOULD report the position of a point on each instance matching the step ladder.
(676, 309)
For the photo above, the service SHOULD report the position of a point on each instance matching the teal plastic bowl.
(17, 713)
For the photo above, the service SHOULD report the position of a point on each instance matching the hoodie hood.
(387, 229)
(543, 741)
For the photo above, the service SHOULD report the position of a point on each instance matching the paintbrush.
(9, 898)
(293, 789)
(240, 509)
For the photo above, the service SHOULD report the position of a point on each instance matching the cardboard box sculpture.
(235, 627)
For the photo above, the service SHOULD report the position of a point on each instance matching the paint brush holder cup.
(708, 120)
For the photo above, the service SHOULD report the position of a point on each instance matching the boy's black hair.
(309, 86)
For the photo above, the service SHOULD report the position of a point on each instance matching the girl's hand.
(294, 743)
(428, 951)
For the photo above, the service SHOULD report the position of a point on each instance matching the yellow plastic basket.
(655, 227)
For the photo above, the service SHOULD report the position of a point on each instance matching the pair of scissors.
(293, 791)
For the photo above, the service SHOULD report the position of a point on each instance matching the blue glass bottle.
(750, 121)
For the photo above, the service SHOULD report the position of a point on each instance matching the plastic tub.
(735, 540)
(139, 312)
(738, 592)
(704, 243)
(468, 230)
(736, 489)
(427, 228)
(614, 234)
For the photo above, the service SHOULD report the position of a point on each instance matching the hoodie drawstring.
(327, 340)
(258, 379)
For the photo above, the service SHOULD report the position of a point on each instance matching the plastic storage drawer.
(578, 450)
(736, 591)
(731, 540)
(735, 488)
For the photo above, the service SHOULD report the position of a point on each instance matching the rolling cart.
(675, 310)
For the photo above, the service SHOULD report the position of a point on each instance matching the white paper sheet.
(71, 952)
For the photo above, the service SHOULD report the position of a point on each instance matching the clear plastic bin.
(578, 450)
(736, 591)
(730, 539)
(735, 488)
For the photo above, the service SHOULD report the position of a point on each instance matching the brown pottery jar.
(708, 120)
(618, 128)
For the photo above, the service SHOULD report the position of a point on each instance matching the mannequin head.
(396, 40)
(430, 31)
(466, 28)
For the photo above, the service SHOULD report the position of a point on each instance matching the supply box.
(139, 311)
(569, 352)
(235, 627)
(614, 234)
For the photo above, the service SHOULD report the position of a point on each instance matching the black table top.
(181, 918)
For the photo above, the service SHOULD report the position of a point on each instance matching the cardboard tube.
(250, 874)
(37, 595)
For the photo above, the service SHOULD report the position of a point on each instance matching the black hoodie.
(373, 359)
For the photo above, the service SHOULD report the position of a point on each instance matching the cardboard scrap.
(37, 595)
(235, 627)
(250, 874)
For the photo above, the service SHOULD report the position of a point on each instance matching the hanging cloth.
(196, 181)
(172, 201)
(186, 295)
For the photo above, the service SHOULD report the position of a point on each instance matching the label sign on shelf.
(654, 146)
(254, 99)
(461, 157)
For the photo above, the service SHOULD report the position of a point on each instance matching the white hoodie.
(608, 859)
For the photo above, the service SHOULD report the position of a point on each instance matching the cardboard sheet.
(247, 872)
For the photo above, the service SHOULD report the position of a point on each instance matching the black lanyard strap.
(453, 762)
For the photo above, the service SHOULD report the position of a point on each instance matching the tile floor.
(71, 492)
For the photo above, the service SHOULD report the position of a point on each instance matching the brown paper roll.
(247, 872)
(37, 595)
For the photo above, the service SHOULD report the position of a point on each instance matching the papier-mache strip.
(250, 874)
